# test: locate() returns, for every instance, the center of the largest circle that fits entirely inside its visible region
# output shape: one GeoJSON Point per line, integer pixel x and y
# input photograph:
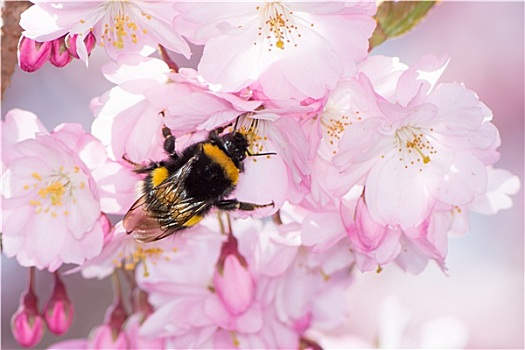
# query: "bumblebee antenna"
{"type": "Point", "coordinates": [260, 154]}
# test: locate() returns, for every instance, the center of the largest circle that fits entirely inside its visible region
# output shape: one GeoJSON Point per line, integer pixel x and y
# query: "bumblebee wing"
{"type": "Point", "coordinates": [181, 211]}
{"type": "Point", "coordinates": [144, 227]}
{"type": "Point", "coordinates": [168, 210]}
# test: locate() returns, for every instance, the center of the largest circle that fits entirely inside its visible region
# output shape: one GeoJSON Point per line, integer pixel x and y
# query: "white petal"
{"type": "Point", "coordinates": [396, 195]}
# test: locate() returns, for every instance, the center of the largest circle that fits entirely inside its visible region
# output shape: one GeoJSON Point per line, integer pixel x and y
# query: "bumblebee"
{"type": "Point", "coordinates": [180, 190]}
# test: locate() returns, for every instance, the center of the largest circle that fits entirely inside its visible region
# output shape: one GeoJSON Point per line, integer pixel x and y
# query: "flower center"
{"type": "Point", "coordinates": [334, 124]}
{"type": "Point", "coordinates": [255, 133]}
{"type": "Point", "coordinates": [138, 254]}
{"type": "Point", "coordinates": [121, 24]}
{"type": "Point", "coordinates": [414, 145]}
{"type": "Point", "coordinates": [53, 191]}
{"type": "Point", "coordinates": [277, 26]}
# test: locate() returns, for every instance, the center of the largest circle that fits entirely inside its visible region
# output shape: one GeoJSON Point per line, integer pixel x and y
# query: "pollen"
{"type": "Point", "coordinates": [277, 26]}
{"type": "Point", "coordinates": [235, 340]}
{"type": "Point", "coordinates": [56, 189]}
{"type": "Point", "coordinates": [255, 133]}
{"type": "Point", "coordinates": [334, 124]}
{"type": "Point", "coordinates": [139, 255]}
{"type": "Point", "coordinates": [53, 192]}
{"type": "Point", "coordinates": [122, 28]}
{"type": "Point", "coordinates": [414, 146]}
{"type": "Point", "coordinates": [326, 276]}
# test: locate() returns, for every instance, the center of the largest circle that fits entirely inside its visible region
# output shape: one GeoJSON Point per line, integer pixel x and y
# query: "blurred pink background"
{"type": "Point", "coordinates": [485, 287]}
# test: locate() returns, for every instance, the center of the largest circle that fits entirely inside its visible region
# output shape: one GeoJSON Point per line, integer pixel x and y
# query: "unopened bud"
{"type": "Point", "coordinates": [26, 323]}
{"type": "Point", "coordinates": [59, 56]}
{"type": "Point", "coordinates": [232, 279]}
{"type": "Point", "coordinates": [59, 311]}
{"type": "Point", "coordinates": [71, 44]}
{"type": "Point", "coordinates": [32, 55]}
{"type": "Point", "coordinates": [234, 286]}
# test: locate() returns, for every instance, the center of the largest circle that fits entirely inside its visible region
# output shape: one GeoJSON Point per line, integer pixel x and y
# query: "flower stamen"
{"type": "Point", "coordinates": [121, 25]}
{"type": "Point", "coordinates": [56, 189]}
{"type": "Point", "coordinates": [278, 25]}
{"type": "Point", "coordinates": [410, 138]}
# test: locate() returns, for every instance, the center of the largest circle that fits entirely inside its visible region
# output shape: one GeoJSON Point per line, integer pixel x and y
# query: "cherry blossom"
{"type": "Point", "coordinates": [367, 162]}
{"type": "Point", "coordinates": [65, 191]}
{"type": "Point", "coordinates": [292, 49]}
{"type": "Point", "coordinates": [263, 265]}
{"type": "Point", "coordinates": [120, 251]}
{"type": "Point", "coordinates": [429, 146]}
{"type": "Point", "coordinates": [119, 26]}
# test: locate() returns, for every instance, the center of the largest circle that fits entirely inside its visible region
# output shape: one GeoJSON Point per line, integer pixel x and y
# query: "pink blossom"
{"type": "Point", "coordinates": [59, 191]}
{"type": "Point", "coordinates": [259, 311]}
{"type": "Point", "coordinates": [120, 27]}
{"type": "Point", "coordinates": [429, 146]}
{"type": "Point", "coordinates": [120, 251]}
{"type": "Point", "coordinates": [269, 43]}
{"type": "Point", "coordinates": [376, 245]}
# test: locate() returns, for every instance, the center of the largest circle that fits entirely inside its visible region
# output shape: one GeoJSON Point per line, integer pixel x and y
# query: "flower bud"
{"type": "Point", "coordinates": [71, 44]}
{"type": "Point", "coordinates": [32, 55]}
{"type": "Point", "coordinates": [59, 311]}
{"type": "Point", "coordinates": [26, 323]}
{"type": "Point", "coordinates": [59, 56]}
{"type": "Point", "coordinates": [234, 286]}
{"type": "Point", "coordinates": [232, 280]}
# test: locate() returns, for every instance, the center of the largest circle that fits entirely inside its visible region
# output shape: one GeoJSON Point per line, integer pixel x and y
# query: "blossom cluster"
{"type": "Point", "coordinates": [372, 162]}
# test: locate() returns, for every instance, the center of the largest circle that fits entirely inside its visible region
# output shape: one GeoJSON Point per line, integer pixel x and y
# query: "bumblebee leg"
{"type": "Point", "coordinates": [234, 204]}
{"type": "Point", "coordinates": [169, 142]}
{"type": "Point", "coordinates": [136, 165]}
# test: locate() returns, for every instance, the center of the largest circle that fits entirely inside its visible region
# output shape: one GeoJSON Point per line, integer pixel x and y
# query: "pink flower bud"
{"type": "Point", "coordinates": [59, 56]}
{"type": "Point", "coordinates": [71, 44]}
{"type": "Point", "coordinates": [32, 55]}
{"type": "Point", "coordinates": [59, 311]}
{"type": "Point", "coordinates": [234, 285]}
{"type": "Point", "coordinates": [26, 324]}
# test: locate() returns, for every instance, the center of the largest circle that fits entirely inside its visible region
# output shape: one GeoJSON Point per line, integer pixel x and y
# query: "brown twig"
{"type": "Point", "coordinates": [11, 31]}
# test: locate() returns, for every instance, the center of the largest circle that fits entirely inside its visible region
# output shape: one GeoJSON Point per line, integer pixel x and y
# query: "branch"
{"type": "Point", "coordinates": [11, 32]}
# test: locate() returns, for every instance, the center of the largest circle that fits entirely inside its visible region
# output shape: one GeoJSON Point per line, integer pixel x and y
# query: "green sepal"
{"type": "Point", "coordinates": [397, 18]}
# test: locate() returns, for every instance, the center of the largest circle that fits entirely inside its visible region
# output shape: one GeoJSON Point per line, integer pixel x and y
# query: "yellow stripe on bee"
{"type": "Point", "coordinates": [219, 157]}
{"type": "Point", "coordinates": [193, 220]}
{"type": "Point", "coordinates": [158, 175]}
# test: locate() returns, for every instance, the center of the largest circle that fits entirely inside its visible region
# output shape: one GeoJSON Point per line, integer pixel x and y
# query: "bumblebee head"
{"type": "Point", "coordinates": [236, 145]}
